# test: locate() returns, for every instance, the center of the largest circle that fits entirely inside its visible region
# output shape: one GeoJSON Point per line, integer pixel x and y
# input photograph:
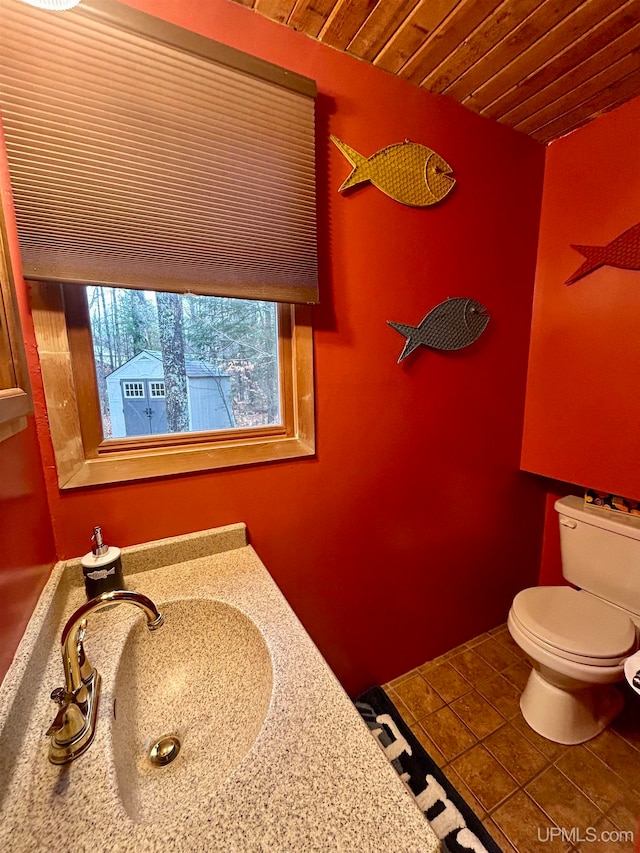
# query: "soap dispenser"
{"type": "Point", "coordinates": [101, 567]}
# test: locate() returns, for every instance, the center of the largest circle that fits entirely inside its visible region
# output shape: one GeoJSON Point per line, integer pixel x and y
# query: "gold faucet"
{"type": "Point", "coordinates": [72, 730]}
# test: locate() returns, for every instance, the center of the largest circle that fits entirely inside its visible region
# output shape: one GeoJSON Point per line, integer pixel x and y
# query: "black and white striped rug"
{"type": "Point", "coordinates": [452, 820]}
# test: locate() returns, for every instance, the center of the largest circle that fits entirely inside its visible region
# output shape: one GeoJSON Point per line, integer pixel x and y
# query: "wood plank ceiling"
{"type": "Point", "coordinates": [543, 67]}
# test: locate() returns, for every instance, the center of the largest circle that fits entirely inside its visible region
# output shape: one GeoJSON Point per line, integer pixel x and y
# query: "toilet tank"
{"type": "Point", "coordinates": [601, 552]}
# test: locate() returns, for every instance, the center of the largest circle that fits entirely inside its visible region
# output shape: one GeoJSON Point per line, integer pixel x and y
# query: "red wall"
{"type": "Point", "coordinates": [27, 552]}
{"type": "Point", "coordinates": [413, 527]}
{"type": "Point", "coordinates": [26, 539]}
{"type": "Point", "coordinates": [583, 405]}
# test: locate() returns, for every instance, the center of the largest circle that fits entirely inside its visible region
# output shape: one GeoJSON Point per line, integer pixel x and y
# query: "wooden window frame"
{"type": "Point", "coordinates": [85, 458]}
{"type": "Point", "coordinates": [15, 389]}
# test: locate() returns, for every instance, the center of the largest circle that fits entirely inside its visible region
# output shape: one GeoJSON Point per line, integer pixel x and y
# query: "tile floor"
{"type": "Point", "coordinates": [464, 708]}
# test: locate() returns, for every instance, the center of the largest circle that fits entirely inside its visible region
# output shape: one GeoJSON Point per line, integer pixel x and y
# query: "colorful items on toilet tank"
{"type": "Point", "coordinates": [616, 502]}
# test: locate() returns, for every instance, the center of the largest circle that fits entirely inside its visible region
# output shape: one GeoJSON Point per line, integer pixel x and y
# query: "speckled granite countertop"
{"type": "Point", "coordinates": [313, 780]}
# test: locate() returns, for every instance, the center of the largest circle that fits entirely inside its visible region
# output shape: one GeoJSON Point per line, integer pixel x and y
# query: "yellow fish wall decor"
{"type": "Point", "coordinates": [407, 172]}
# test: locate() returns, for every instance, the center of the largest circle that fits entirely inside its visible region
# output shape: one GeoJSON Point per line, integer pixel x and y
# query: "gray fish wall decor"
{"type": "Point", "coordinates": [451, 325]}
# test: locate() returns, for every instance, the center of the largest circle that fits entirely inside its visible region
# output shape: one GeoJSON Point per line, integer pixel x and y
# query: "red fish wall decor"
{"type": "Point", "coordinates": [622, 252]}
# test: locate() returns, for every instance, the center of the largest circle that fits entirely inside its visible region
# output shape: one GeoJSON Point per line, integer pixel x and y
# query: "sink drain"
{"type": "Point", "coordinates": [164, 750]}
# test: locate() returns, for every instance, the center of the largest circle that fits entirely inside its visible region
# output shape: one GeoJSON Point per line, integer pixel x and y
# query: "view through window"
{"type": "Point", "coordinates": [171, 363]}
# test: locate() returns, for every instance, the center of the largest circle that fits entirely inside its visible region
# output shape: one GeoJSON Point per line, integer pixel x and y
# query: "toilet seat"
{"type": "Point", "coordinates": [574, 625]}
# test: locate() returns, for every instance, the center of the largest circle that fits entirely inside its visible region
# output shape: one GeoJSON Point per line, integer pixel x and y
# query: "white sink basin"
{"type": "Point", "coordinates": [205, 678]}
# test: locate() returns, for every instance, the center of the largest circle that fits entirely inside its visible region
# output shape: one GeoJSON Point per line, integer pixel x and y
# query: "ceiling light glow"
{"type": "Point", "coordinates": [53, 5]}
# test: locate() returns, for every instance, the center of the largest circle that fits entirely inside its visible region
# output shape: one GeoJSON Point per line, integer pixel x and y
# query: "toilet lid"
{"type": "Point", "coordinates": [575, 622]}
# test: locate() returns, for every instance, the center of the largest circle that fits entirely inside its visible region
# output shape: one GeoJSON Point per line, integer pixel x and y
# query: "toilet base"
{"type": "Point", "coordinates": [569, 716]}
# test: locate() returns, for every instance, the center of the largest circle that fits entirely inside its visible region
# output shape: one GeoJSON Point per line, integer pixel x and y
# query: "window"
{"type": "Point", "coordinates": [255, 424]}
{"type": "Point", "coordinates": [157, 389]}
{"type": "Point", "coordinates": [217, 356]}
{"type": "Point", "coordinates": [133, 389]}
{"type": "Point", "coordinates": [149, 164]}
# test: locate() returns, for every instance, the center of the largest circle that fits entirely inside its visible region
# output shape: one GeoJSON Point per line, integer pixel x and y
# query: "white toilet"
{"type": "Point", "coordinates": [578, 639]}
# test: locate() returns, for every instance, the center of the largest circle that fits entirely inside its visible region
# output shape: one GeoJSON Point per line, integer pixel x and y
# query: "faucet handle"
{"type": "Point", "coordinates": [61, 696]}
{"type": "Point", "coordinates": [63, 699]}
{"type": "Point", "coordinates": [59, 721]}
{"type": "Point", "coordinates": [70, 721]}
{"type": "Point", "coordinates": [86, 670]}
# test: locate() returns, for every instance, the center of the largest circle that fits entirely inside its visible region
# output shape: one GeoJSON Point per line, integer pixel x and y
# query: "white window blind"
{"type": "Point", "coordinates": [143, 155]}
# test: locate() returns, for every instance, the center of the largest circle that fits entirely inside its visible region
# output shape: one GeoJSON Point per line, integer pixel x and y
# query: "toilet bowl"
{"type": "Point", "coordinates": [578, 639]}
{"type": "Point", "coordinates": [577, 645]}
